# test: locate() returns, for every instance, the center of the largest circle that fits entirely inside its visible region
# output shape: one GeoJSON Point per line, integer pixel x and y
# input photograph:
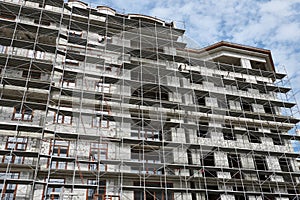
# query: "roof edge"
{"type": "Point", "coordinates": [238, 46]}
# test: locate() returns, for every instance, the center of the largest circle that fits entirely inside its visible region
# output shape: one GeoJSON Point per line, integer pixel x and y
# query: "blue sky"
{"type": "Point", "coordinates": [270, 24]}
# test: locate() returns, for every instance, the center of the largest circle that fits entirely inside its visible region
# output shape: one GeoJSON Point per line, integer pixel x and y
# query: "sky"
{"type": "Point", "coordinates": [269, 24]}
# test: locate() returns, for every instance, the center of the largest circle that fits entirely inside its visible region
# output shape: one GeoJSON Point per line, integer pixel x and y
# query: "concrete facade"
{"type": "Point", "coordinates": [97, 104]}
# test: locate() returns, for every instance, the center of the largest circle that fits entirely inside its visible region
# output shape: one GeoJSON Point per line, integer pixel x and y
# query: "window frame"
{"type": "Point", "coordinates": [95, 192]}
{"type": "Point", "coordinates": [68, 82]}
{"type": "Point", "coordinates": [259, 161]}
{"type": "Point", "coordinates": [64, 145]}
{"type": "Point", "coordinates": [13, 158]}
{"type": "Point", "coordinates": [59, 118]}
{"type": "Point", "coordinates": [5, 186]}
{"type": "Point", "coordinates": [102, 87]}
{"type": "Point", "coordinates": [22, 114]}
{"type": "Point", "coordinates": [98, 148]}
{"type": "Point", "coordinates": [100, 122]}
{"type": "Point", "coordinates": [150, 135]}
{"type": "Point", "coordinates": [47, 189]}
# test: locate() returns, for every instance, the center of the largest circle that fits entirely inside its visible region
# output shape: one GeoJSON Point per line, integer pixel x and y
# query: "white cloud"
{"type": "Point", "coordinates": [287, 33]}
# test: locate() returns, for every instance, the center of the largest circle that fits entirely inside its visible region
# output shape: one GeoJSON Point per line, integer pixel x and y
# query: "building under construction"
{"type": "Point", "coordinates": [97, 104]}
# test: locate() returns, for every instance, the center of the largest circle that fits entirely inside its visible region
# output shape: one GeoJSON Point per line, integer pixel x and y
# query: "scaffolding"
{"type": "Point", "coordinates": [96, 104]}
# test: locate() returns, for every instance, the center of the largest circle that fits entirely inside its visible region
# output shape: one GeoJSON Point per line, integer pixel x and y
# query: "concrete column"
{"type": "Point", "coordinates": [258, 108]}
{"type": "Point", "coordinates": [211, 102]}
{"type": "Point", "coordinates": [177, 97]}
{"type": "Point", "coordinates": [253, 92]}
{"type": "Point", "coordinates": [182, 196]}
{"type": "Point", "coordinates": [124, 152]}
{"type": "Point", "coordinates": [181, 134]}
{"type": "Point", "coordinates": [245, 63]}
{"type": "Point", "coordinates": [196, 157]}
{"type": "Point", "coordinates": [235, 105]}
{"type": "Point", "coordinates": [186, 82]}
{"type": "Point", "coordinates": [295, 165]}
{"type": "Point", "coordinates": [188, 99]}
{"type": "Point", "coordinates": [180, 155]}
{"type": "Point", "coordinates": [227, 197]}
{"type": "Point", "coordinates": [247, 162]}
{"type": "Point", "coordinates": [127, 194]}
{"type": "Point", "coordinates": [3, 142]}
{"type": "Point", "coordinates": [277, 178]}
{"type": "Point", "coordinates": [178, 135]}
{"type": "Point", "coordinates": [191, 136]}
{"type": "Point", "coordinates": [201, 196]}
{"type": "Point", "coordinates": [221, 159]}
{"type": "Point", "coordinates": [224, 175]}
{"type": "Point", "coordinates": [255, 198]}
{"type": "Point", "coordinates": [208, 85]}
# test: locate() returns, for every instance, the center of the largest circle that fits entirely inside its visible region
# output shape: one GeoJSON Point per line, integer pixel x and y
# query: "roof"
{"type": "Point", "coordinates": [242, 47]}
